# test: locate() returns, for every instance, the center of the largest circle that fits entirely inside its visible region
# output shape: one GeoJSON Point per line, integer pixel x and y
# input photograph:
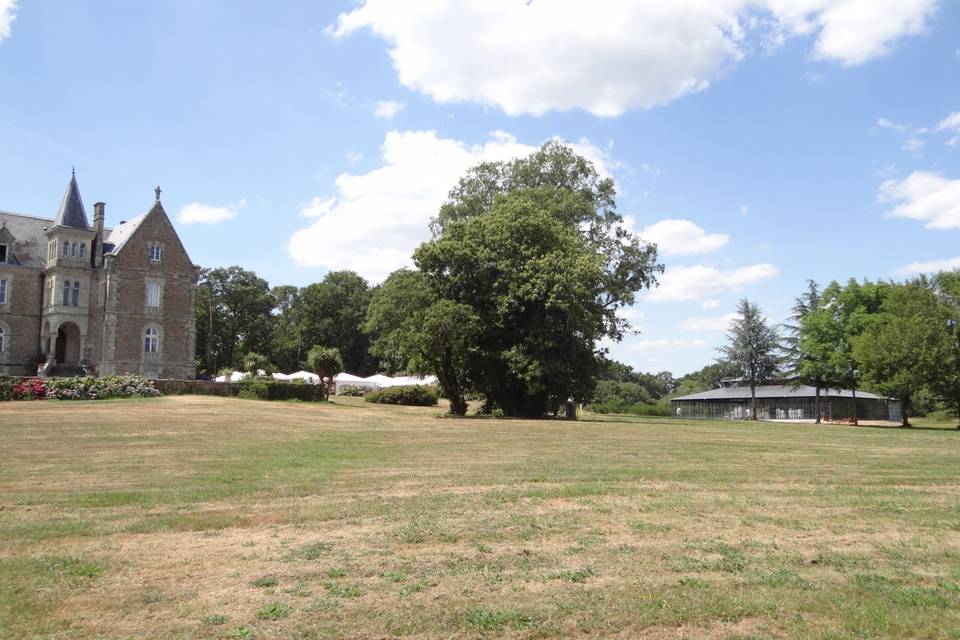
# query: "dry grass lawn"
{"type": "Point", "coordinates": [197, 517]}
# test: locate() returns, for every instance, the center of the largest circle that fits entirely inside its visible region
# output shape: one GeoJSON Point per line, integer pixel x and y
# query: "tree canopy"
{"type": "Point", "coordinates": [535, 249]}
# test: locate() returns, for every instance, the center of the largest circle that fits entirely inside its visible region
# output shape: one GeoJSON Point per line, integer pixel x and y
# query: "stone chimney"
{"type": "Point", "coordinates": [96, 249]}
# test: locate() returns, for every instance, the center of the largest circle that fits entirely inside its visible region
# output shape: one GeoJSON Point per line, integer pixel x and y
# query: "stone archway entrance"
{"type": "Point", "coordinates": [68, 345]}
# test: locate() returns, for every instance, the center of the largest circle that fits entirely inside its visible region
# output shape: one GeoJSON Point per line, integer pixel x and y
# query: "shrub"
{"type": "Point", "coordinates": [417, 395]}
{"type": "Point", "coordinates": [294, 391]}
{"type": "Point", "coordinates": [92, 388]}
{"type": "Point", "coordinates": [353, 390]}
{"type": "Point", "coordinates": [6, 389]}
{"type": "Point", "coordinates": [253, 389]}
{"type": "Point", "coordinates": [30, 389]}
{"type": "Point", "coordinates": [260, 389]}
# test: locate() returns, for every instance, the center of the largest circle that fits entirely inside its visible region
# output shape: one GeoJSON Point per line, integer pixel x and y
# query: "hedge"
{"type": "Point", "coordinates": [80, 388]}
{"type": "Point", "coordinates": [249, 389]}
{"type": "Point", "coordinates": [417, 395]}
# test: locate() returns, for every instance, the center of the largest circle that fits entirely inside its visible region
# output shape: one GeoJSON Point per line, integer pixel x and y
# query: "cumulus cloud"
{"type": "Point", "coordinates": [714, 323]}
{"type": "Point", "coordinates": [700, 282]}
{"type": "Point", "coordinates": [683, 238]}
{"type": "Point", "coordinates": [317, 207]}
{"type": "Point", "coordinates": [610, 56]}
{"type": "Point", "coordinates": [376, 219]}
{"type": "Point", "coordinates": [353, 157]}
{"type": "Point", "coordinates": [852, 32]}
{"type": "Point", "coordinates": [709, 304]}
{"type": "Point", "coordinates": [8, 9]}
{"type": "Point", "coordinates": [386, 109]}
{"type": "Point", "coordinates": [924, 196]}
{"type": "Point", "coordinates": [197, 213]}
{"type": "Point", "coordinates": [932, 266]}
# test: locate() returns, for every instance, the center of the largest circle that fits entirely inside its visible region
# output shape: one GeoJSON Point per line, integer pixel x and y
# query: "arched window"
{"type": "Point", "coordinates": [66, 249]}
{"type": "Point", "coordinates": [3, 339]}
{"type": "Point", "coordinates": [76, 293]}
{"type": "Point", "coordinates": [66, 292]}
{"type": "Point", "coordinates": [83, 249]}
{"type": "Point", "coordinates": [151, 340]}
{"type": "Point", "coordinates": [73, 250]}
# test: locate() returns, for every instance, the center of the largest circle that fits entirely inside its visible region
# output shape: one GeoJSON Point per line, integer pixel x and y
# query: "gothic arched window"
{"type": "Point", "coordinates": [66, 292]}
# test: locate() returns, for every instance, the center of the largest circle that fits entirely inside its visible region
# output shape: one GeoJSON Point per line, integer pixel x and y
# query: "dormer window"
{"type": "Point", "coordinates": [3, 254]}
{"type": "Point", "coordinates": [154, 252]}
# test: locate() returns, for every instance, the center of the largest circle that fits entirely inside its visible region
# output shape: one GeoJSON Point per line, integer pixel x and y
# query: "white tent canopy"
{"type": "Point", "coordinates": [306, 376]}
{"type": "Point", "coordinates": [380, 381]}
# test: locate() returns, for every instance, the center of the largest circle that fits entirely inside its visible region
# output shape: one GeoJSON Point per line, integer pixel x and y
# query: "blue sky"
{"type": "Point", "coordinates": [761, 142]}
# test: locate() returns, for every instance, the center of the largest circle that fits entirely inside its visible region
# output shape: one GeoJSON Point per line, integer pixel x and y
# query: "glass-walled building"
{"type": "Point", "coordinates": [785, 402]}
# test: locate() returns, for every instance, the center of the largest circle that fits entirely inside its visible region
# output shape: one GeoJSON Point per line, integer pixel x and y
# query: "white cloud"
{"type": "Point", "coordinates": [197, 213]}
{"type": "Point", "coordinates": [378, 218]}
{"type": "Point", "coordinates": [665, 344]}
{"type": "Point", "coordinates": [8, 9]}
{"type": "Point", "coordinates": [924, 196]}
{"type": "Point", "coordinates": [317, 207]}
{"type": "Point", "coordinates": [886, 123]}
{"type": "Point", "coordinates": [699, 282]}
{"type": "Point", "coordinates": [354, 157]}
{"type": "Point", "coordinates": [713, 323]}
{"type": "Point", "coordinates": [744, 210]}
{"type": "Point", "coordinates": [683, 238]}
{"type": "Point", "coordinates": [913, 145]}
{"type": "Point", "coordinates": [613, 55]}
{"type": "Point", "coordinates": [952, 124]}
{"type": "Point", "coordinates": [932, 266]}
{"type": "Point", "coordinates": [709, 304]}
{"type": "Point", "coordinates": [386, 109]}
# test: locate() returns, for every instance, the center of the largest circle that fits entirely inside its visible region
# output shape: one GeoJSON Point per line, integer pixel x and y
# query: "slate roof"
{"type": "Point", "coordinates": [72, 213]}
{"type": "Point", "coordinates": [119, 235]}
{"type": "Point", "coordinates": [30, 238]}
{"type": "Point", "coordinates": [777, 391]}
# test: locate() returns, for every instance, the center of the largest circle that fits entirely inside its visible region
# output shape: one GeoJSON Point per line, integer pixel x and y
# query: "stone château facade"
{"type": "Point", "coordinates": [76, 297]}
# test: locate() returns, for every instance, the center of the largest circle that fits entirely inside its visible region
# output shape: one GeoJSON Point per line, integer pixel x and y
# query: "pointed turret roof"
{"type": "Point", "coordinates": [71, 212]}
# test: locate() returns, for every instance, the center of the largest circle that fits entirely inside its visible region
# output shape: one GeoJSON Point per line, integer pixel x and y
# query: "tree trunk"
{"type": "Point", "coordinates": [855, 423]}
{"type": "Point", "coordinates": [904, 405]}
{"type": "Point", "coordinates": [816, 402]}
{"type": "Point", "coordinates": [753, 401]}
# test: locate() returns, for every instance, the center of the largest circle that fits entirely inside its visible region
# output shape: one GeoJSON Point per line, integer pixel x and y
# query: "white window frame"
{"type": "Point", "coordinates": [155, 252]}
{"type": "Point", "coordinates": [151, 340]}
{"type": "Point", "coordinates": [153, 301]}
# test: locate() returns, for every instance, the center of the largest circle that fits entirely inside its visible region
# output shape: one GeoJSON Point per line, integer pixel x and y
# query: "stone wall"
{"type": "Point", "coordinates": [20, 318]}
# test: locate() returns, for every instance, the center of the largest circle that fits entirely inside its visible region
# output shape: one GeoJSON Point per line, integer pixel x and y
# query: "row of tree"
{"type": "Point", "coordinates": [901, 340]}
{"type": "Point", "coordinates": [523, 276]}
